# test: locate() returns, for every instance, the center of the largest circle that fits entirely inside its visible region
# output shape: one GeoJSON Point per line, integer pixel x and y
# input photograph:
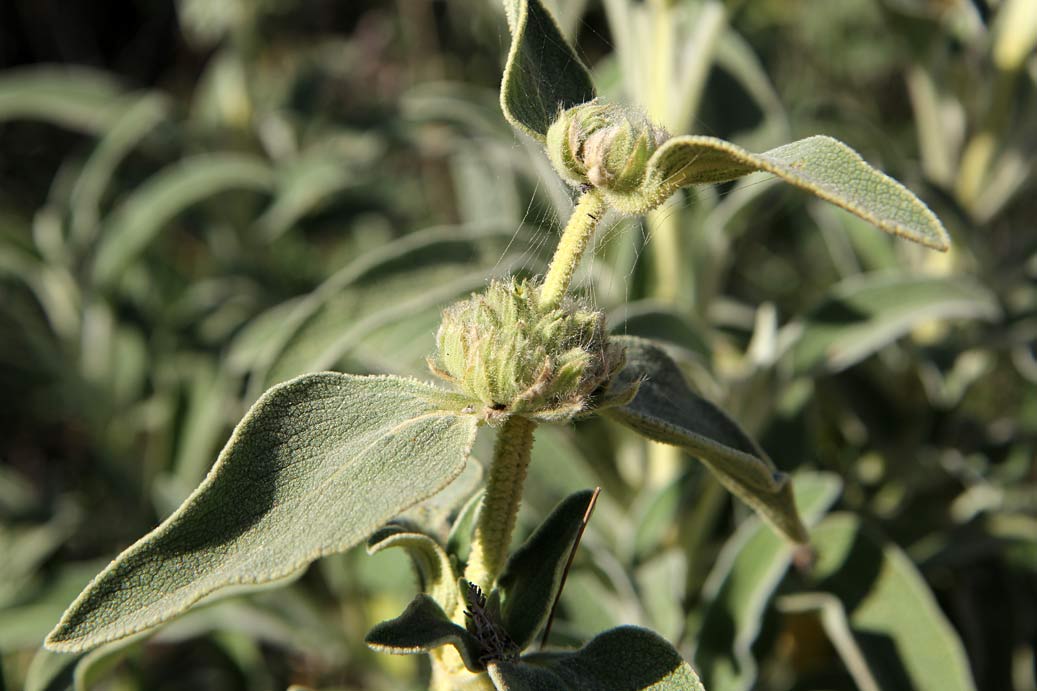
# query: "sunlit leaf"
{"type": "Point", "coordinates": [316, 465]}
{"type": "Point", "coordinates": [668, 411]}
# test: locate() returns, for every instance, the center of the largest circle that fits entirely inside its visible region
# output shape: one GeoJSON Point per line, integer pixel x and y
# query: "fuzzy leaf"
{"type": "Point", "coordinates": [422, 627]}
{"type": "Point", "coordinates": [436, 573]}
{"type": "Point", "coordinates": [314, 467]}
{"type": "Point", "coordinates": [543, 74]}
{"type": "Point", "coordinates": [668, 411]}
{"type": "Point", "coordinates": [531, 579]}
{"type": "Point", "coordinates": [823, 166]}
{"type": "Point", "coordinates": [622, 659]}
{"type": "Point", "coordinates": [864, 313]}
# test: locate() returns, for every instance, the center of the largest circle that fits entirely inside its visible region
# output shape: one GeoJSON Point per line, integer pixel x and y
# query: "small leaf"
{"type": "Point", "coordinates": [623, 659]}
{"type": "Point", "coordinates": [315, 466]}
{"type": "Point", "coordinates": [530, 581]}
{"type": "Point", "coordinates": [865, 313]}
{"type": "Point", "coordinates": [740, 587]}
{"type": "Point", "coordinates": [823, 166]}
{"type": "Point", "coordinates": [543, 75]}
{"type": "Point", "coordinates": [893, 617]}
{"type": "Point", "coordinates": [435, 571]}
{"type": "Point", "coordinates": [422, 627]}
{"type": "Point", "coordinates": [668, 411]}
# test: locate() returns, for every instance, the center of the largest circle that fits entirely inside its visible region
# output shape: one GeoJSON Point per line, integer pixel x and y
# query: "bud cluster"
{"type": "Point", "coordinates": [503, 349]}
{"type": "Point", "coordinates": [603, 144]}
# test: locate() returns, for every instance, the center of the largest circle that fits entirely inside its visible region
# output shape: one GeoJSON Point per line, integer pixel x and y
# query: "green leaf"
{"type": "Point", "coordinates": [894, 620]}
{"type": "Point", "coordinates": [739, 589]}
{"type": "Point", "coordinates": [138, 119]}
{"type": "Point", "coordinates": [623, 659]}
{"type": "Point", "coordinates": [823, 166]}
{"type": "Point", "coordinates": [315, 466]}
{"type": "Point", "coordinates": [543, 74]}
{"type": "Point", "coordinates": [140, 217]}
{"type": "Point", "coordinates": [865, 313]}
{"type": "Point", "coordinates": [422, 627]}
{"type": "Point", "coordinates": [77, 98]}
{"type": "Point", "coordinates": [530, 581]}
{"type": "Point", "coordinates": [668, 411]}
{"type": "Point", "coordinates": [435, 571]}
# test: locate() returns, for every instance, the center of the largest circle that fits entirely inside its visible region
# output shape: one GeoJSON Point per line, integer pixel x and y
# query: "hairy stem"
{"type": "Point", "coordinates": [575, 237]}
{"type": "Point", "coordinates": [501, 503]}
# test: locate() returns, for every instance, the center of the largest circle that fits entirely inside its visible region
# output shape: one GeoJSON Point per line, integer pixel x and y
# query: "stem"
{"type": "Point", "coordinates": [575, 237]}
{"type": "Point", "coordinates": [500, 504]}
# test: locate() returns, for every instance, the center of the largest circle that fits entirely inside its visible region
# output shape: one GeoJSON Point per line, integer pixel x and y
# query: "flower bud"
{"type": "Point", "coordinates": [502, 349]}
{"type": "Point", "coordinates": [604, 145]}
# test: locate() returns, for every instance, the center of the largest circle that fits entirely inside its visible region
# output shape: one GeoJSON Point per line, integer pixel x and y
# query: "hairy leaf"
{"type": "Point", "coordinates": [533, 574]}
{"type": "Point", "coordinates": [435, 571]}
{"type": "Point", "coordinates": [543, 74]}
{"type": "Point", "coordinates": [315, 466]}
{"type": "Point", "coordinates": [422, 627]}
{"type": "Point", "coordinates": [622, 659]}
{"type": "Point", "coordinates": [864, 313]}
{"type": "Point", "coordinates": [668, 411]}
{"type": "Point", "coordinates": [823, 166]}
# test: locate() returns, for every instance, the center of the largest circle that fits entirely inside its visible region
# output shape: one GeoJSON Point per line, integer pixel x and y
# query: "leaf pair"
{"type": "Point", "coordinates": [625, 658]}
{"type": "Point", "coordinates": [544, 77]}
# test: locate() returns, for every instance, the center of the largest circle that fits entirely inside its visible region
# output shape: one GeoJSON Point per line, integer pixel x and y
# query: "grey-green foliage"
{"type": "Point", "coordinates": [877, 602]}
{"type": "Point", "coordinates": [862, 314]}
{"type": "Point", "coordinates": [313, 468]}
{"type": "Point", "coordinates": [741, 587]}
{"type": "Point", "coordinates": [622, 659]}
{"type": "Point", "coordinates": [543, 73]}
{"type": "Point", "coordinates": [667, 410]}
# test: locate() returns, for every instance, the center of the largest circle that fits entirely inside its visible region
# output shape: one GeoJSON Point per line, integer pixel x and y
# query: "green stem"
{"type": "Point", "coordinates": [575, 237]}
{"type": "Point", "coordinates": [500, 504]}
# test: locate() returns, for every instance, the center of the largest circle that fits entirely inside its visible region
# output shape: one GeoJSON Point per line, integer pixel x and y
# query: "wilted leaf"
{"type": "Point", "coordinates": [315, 466]}
{"type": "Point", "coordinates": [668, 411]}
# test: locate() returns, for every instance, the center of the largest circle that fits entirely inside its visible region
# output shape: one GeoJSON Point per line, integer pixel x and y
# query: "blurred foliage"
{"type": "Point", "coordinates": [203, 199]}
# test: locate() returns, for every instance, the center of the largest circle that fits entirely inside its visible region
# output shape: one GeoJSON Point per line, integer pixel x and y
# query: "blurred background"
{"type": "Point", "coordinates": [201, 199]}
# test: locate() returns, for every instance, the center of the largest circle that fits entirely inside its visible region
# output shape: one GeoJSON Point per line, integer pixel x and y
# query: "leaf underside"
{"type": "Point", "coordinates": [315, 466]}
{"type": "Point", "coordinates": [821, 165]}
{"type": "Point", "coordinates": [543, 74]}
{"type": "Point", "coordinates": [668, 411]}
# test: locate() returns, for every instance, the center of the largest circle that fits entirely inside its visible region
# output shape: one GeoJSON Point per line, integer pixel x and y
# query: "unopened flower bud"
{"type": "Point", "coordinates": [502, 349]}
{"type": "Point", "coordinates": [604, 145]}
